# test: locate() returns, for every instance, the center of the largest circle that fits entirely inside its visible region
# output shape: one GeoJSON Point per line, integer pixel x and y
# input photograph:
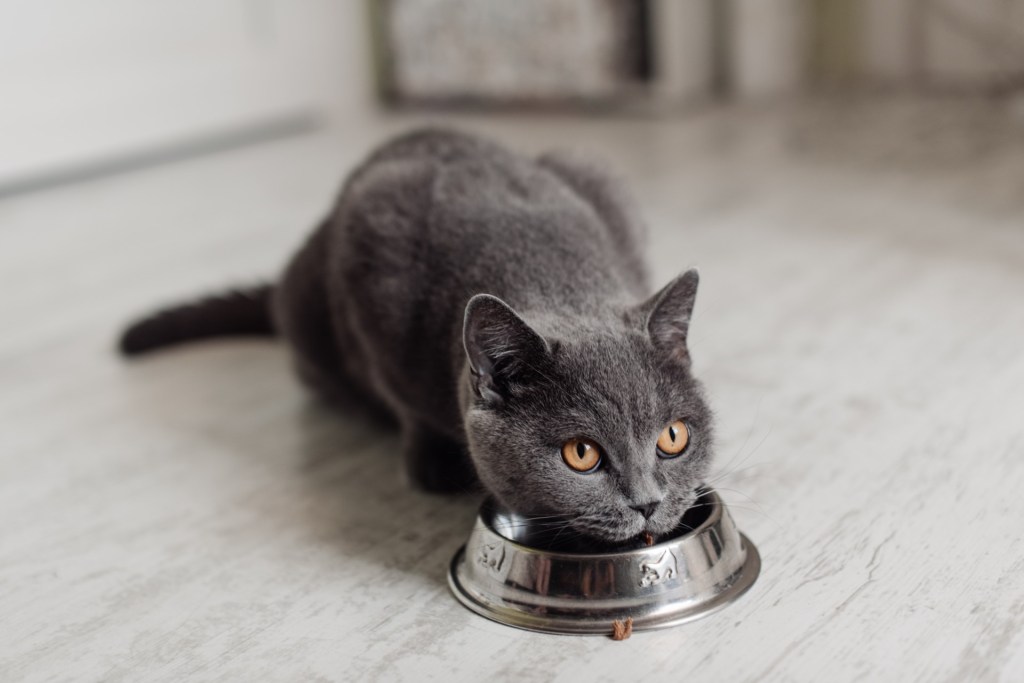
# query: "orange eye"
{"type": "Point", "coordinates": [673, 439]}
{"type": "Point", "coordinates": [581, 455]}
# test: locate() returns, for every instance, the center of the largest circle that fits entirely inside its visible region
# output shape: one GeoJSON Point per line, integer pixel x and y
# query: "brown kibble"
{"type": "Point", "coordinates": [622, 629]}
{"type": "Point", "coordinates": [647, 538]}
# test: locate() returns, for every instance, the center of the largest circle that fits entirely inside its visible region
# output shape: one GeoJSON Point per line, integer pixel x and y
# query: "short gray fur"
{"type": "Point", "coordinates": [496, 306]}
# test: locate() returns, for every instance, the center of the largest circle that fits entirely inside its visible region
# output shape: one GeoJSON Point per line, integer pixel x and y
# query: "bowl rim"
{"type": "Point", "coordinates": [714, 515]}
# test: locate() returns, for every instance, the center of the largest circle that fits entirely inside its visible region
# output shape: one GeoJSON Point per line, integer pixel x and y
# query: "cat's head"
{"type": "Point", "coordinates": [596, 422]}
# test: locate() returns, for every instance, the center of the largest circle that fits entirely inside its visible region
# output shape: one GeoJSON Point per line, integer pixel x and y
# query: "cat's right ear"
{"type": "Point", "coordinates": [501, 347]}
{"type": "Point", "coordinates": [668, 315]}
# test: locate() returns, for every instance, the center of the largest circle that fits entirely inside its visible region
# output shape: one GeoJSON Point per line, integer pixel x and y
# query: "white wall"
{"type": "Point", "coordinates": [84, 82]}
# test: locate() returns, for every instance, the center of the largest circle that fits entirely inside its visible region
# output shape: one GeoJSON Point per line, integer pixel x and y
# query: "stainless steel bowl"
{"type": "Point", "coordinates": [522, 574]}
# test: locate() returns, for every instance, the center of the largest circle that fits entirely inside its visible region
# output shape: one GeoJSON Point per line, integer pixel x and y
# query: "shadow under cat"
{"type": "Point", "coordinates": [318, 476]}
{"type": "Point", "coordinates": [361, 500]}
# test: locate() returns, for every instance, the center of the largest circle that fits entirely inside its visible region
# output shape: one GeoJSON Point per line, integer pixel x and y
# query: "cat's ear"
{"type": "Point", "coordinates": [501, 347]}
{"type": "Point", "coordinates": [667, 315]}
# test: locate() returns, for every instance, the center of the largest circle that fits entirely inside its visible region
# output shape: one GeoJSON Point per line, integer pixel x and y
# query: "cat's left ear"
{"type": "Point", "coordinates": [667, 315]}
{"type": "Point", "coordinates": [501, 347]}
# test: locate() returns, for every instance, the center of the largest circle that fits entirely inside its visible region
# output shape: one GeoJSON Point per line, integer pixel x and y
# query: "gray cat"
{"type": "Point", "coordinates": [498, 308]}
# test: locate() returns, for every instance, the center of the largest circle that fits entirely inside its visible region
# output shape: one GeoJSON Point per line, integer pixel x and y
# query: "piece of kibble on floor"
{"type": "Point", "coordinates": [622, 629]}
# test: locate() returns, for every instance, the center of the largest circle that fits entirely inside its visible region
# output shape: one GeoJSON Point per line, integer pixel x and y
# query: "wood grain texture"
{"type": "Point", "coordinates": [194, 515]}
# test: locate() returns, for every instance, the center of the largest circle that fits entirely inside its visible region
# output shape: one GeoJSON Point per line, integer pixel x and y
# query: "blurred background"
{"type": "Point", "coordinates": [90, 85]}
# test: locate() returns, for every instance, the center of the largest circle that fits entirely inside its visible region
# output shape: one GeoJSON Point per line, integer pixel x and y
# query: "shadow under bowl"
{"type": "Point", "coordinates": [521, 574]}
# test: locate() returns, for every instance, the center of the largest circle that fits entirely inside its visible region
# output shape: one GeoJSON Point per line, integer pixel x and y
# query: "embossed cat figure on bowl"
{"type": "Point", "coordinates": [498, 307]}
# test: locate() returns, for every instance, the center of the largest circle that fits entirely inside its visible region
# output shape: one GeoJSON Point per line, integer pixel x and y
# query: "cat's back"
{"type": "Point", "coordinates": [437, 146]}
{"type": "Point", "coordinates": [439, 208]}
{"type": "Point", "coordinates": [434, 217]}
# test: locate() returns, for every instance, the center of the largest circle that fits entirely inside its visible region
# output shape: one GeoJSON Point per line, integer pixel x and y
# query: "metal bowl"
{"type": "Point", "coordinates": [522, 574]}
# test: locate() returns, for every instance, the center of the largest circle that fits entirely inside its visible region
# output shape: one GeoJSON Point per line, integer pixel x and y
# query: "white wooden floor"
{"type": "Point", "coordinates": [194, 515]}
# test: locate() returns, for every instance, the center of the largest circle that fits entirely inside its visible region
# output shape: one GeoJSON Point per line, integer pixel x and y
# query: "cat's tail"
{"type": "Point", "coordinates": [240, 312]}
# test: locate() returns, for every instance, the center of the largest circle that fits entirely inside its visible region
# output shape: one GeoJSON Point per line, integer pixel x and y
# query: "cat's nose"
{"type": "Point", "coordinates": [647, 509]}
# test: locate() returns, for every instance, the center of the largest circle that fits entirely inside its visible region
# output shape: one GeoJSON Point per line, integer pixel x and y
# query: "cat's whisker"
{"type": "Point", "coordinates": [746, 439]}
{"type": "Point", "coordinates": [750, 499]}
{"type": "Point", "coordinates": [728, 472]}
{"type": "Point", "coordinates": [750, 430]}
{"type": "Point", "coordinates": [723, 475]}
{"type": "Point", "coordinates": [529, 518]}
{"type": "Point", "coordinates": [559, 533]}
{"type": "Point", "coordinates": [753, 424]}
{"type": "Point", "coordinates": [522, 525]}
{"type": "Point", "coordinates": [745, 495]}
{"type": "Point", "coordinates": [686, 526]}
{"type": "Point", "coordinates": [755, 507]}
{"type": "Point", "coordinates": [541, 521]}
